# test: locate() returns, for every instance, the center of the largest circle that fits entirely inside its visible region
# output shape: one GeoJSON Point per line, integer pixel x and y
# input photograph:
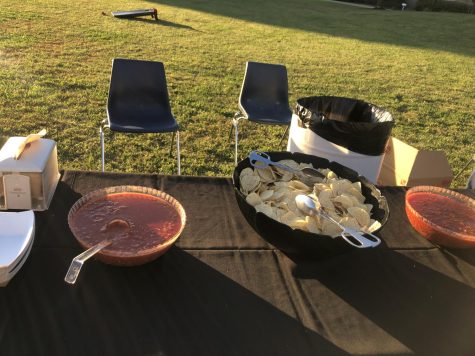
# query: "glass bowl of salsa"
{"type": "Point", "coordinates": [141, 223]}
{"type": "Point", "coordinates": [442, 216]}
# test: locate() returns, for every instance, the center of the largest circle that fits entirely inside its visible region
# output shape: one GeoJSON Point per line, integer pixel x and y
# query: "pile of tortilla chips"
{"type": "Point", "coordinates": [272, 191]}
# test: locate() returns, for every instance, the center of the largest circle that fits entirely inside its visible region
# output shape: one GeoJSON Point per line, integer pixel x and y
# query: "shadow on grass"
{"type": "Point", "coordinates": [440, 31]}
{"type": "Point", "coordinates": [160, 22]}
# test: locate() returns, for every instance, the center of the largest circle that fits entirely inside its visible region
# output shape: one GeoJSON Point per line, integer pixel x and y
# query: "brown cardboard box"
{"type": "Point", "coordinates": [404, 165]}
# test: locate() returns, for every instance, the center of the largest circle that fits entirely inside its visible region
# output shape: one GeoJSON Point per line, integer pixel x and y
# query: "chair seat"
{"type": "Point", "coordinates": [276, 114]}
{"type": "Point", "coordinates": [141, 120]}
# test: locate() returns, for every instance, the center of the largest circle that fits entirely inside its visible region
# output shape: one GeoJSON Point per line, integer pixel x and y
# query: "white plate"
{"type": "Point", "coordinates": [17, 231]}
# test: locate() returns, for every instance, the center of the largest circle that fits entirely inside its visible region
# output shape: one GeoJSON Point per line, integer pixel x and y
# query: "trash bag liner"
{"type": "Point", "coordinates": [354, 124]}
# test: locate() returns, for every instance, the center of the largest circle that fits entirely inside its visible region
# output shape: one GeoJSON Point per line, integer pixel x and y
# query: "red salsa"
{"type": "Point", "coordinates": [135, 221]}
{"type": "Point", "coordinates": [444, 211]}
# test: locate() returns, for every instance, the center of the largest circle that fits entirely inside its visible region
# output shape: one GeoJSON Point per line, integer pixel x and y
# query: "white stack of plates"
{"type": "Point", "coordinates": [17, 231]}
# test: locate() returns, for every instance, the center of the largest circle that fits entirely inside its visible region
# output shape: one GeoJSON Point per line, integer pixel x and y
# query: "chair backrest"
{"type": "Point", "coordinates": [266, 84]}
{"type": "Point", "coordinates": [136, 83]}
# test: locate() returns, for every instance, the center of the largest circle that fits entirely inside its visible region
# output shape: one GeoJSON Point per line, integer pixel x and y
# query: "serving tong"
{"type": "Point", "coordinates": [308, 207]}
{"type": "Point", "coordinates": [307, 175]}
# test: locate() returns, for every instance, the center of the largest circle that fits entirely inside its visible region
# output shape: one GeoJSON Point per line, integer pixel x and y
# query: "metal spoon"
{"type": "Point", "coordinates": [262, 160]}
{"type": "Point", "coordinates": [117, 227]}
{"type": "Point", "coordinates": [308, 207]}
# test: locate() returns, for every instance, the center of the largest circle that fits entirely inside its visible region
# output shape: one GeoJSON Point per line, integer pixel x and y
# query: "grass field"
{"type": "Point", "coordinates": [55, 61]}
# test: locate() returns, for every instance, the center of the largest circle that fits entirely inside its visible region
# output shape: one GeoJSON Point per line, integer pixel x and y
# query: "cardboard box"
{"type": "Point", "coordinates": [404, 165]}
{"type": "Point", "coordinates": [30, 181]}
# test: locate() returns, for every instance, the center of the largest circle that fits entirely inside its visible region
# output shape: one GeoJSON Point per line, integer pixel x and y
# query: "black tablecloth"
{"type": "Point", "coordinates": [222, 290]}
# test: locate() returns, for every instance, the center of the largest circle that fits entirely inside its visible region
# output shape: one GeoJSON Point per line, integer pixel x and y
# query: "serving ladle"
{"type": "Point", "coordinates": [118, 228]}
{"type": "Point", "coordinates": [262, 160]}
{"type": "Point", "coordinates": [308, 207]}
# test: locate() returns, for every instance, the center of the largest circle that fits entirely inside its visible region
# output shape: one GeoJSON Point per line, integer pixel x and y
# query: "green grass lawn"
{"type": "Point", "coordinates": [55, 61]}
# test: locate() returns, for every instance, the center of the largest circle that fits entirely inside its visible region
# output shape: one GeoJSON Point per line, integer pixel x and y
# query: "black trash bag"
{"type": "Point", "coordinates": [351, 123]}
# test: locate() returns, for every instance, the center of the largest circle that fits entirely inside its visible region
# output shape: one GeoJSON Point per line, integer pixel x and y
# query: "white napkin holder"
{"type": "Point", "coordinates": [28, 183]}
{"type": "Point", "coordinates": [17, 231]}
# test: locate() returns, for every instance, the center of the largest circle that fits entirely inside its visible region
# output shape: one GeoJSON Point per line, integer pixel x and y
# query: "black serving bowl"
{"type": "Point", "coordinates": [299, 242]}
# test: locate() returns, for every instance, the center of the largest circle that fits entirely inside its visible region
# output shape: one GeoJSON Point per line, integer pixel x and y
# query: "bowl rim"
{"type": "Point", "coordinates": [444, 192]}
{"type": "Point", "coordinates": [129, 189]}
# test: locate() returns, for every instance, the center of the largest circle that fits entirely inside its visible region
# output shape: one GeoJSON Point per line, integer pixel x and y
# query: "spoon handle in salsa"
{"type": "Point", "coordinates": [78, 261]}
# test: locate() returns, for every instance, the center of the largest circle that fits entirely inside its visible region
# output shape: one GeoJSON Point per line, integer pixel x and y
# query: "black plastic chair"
{"type": "Point", "coordinates": [264, 98]}
{"type": "Point", "coordinates": [138, 101]}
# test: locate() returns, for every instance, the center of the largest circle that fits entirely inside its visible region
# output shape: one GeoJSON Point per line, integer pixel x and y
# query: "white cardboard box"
{"type": "Point", "coordinates": [28, 183]}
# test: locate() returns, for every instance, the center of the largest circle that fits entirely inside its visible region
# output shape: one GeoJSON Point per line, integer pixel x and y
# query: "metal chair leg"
{"type": "Point", "coordinates": [236, 137]}
{"type": "Point", "coordinates": [178, 152]}
{"type": "Point", "coordinates": [101, 134]}
{"type": "Point", "coordinates": [237, 116]}
{"type": "Point", "coordinates": [173, 140]}
{"type": "Point", "coordinates": [464, 167]}
{"type": "Point", "coordinates": [283, 136]}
